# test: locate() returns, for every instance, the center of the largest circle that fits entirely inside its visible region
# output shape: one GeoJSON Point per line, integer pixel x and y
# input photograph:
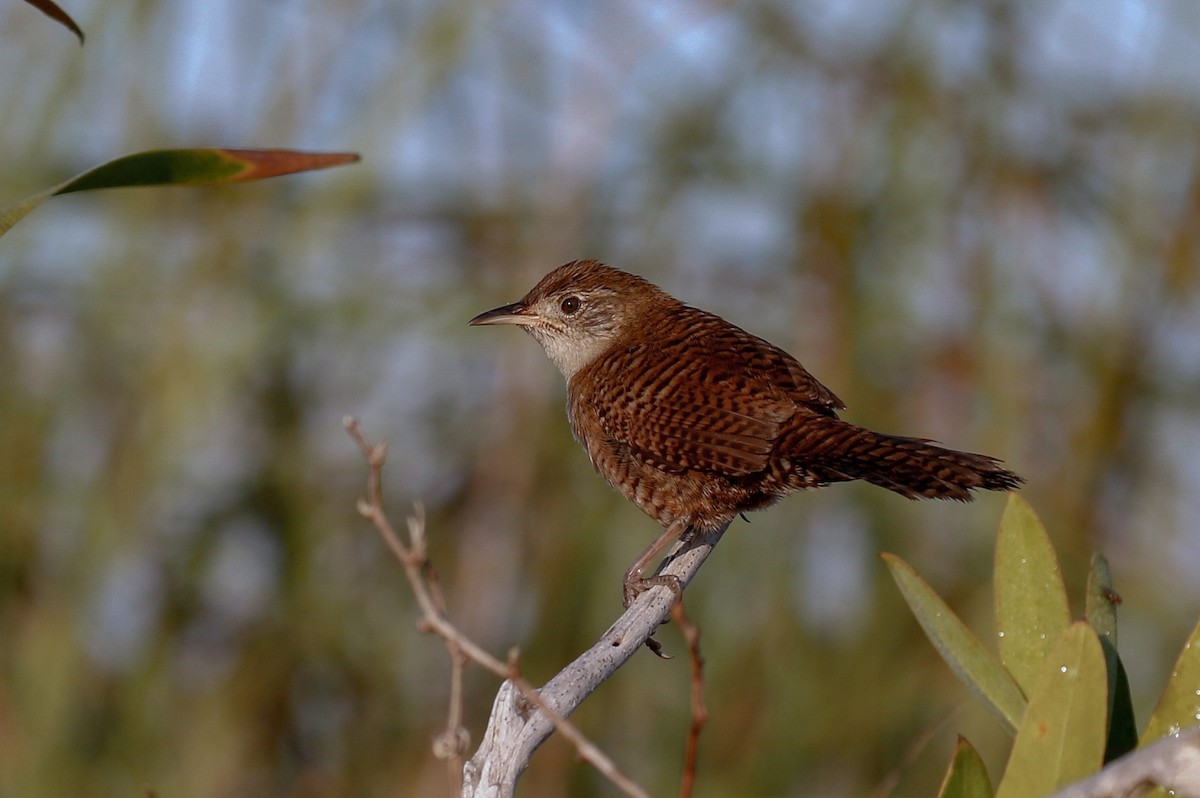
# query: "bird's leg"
{"type": "Point", "coordinates": [636, 583]}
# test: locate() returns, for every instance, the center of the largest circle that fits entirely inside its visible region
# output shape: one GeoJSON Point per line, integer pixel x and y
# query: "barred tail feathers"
{"type": "Point", "coordinates": [831, 450]}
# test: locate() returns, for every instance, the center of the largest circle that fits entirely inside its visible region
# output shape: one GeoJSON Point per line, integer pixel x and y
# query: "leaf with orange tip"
{"type": "Point", "coordinates": [189, 167]}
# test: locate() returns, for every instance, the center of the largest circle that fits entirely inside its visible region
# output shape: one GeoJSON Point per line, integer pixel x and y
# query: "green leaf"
{"type": "Point", "coordinates": [1179, 707]}
{"type": "Point", "coordinates": [194, 167]}
{"type": "Point", "coordinates": [967, 776]}
{"type": "Point", "coordinates": [15, 212]}
{"type": "Point", "coordinates": [979, 669]}
{"type": "Point", "coordinates": [1122, 728]}
{"type": "Point", "coordinates": [1031, 602]}
{"type": "Point", "coordinates": [1102, 601]}
{"type": "Point", "coordinates": [1062, 736]}
{"type": "Point", "coordinates": [1102, 615]}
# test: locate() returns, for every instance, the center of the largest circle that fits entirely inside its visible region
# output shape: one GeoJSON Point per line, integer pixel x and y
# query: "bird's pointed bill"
{"type": "Point", "coordinates": [516, 313]}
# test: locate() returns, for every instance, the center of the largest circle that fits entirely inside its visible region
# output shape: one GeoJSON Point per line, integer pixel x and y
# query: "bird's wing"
{"type": "Point", "coordinates": [768, 364]}
{"type": "Point", "coordinates": [680, 436]}
{"type": "Point", "coordinates": [713, 402]}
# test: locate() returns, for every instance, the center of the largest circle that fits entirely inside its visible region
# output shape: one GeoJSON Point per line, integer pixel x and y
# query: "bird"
{"type": "Point", "coordinates": [697, 421]}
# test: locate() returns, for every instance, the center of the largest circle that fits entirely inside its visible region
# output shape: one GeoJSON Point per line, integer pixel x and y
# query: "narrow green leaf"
{"type": "Point", "coordinates": [1102, 615]}
{"type": "Point", "coordinates": [14, 213]}
{"type": "Point", "coordinates": [1031, 602]}
{"type": "Point", "coordinates": [1062, 736]}
{"type": "Point", "coordinates": [979, 669]}
{"type": "Point", "coordinates": [194, 167]}
{"type": "Point", "coordinates": [1122, 728]}
{"type": "Point", "coordinates": [967, 776]}
{"type": "Point", "coordinates": [1179, 707]}
{"type": "Point", "coordinates": [1102, 601]}
{"type": "Point", "coordinates": [201, 167]}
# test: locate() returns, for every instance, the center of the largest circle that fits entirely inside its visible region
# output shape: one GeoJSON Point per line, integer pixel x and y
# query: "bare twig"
{"type": "Point", "coordinates": [422, 579]}
{"type": "Point", "coordinates": [691, 634]}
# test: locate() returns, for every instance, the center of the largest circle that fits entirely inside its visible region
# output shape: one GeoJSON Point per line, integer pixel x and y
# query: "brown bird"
{"type": "Point", "coordinates": [695, 420]}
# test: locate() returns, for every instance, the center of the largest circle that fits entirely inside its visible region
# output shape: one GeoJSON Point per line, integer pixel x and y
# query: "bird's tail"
{"type": "Point", "coordinates": [831, 450]}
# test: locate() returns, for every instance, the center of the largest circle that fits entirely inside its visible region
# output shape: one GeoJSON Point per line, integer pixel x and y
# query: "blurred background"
{"type": "Point", "coordinates": [974, 221]}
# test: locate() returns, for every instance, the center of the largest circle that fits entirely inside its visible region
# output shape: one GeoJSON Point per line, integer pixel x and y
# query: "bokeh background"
{"type": "Point", "coordinates": [974, 221]}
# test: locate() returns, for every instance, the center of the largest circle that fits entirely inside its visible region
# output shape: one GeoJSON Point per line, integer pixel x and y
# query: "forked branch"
{"type": "Point", "coordinates": [522, 716]}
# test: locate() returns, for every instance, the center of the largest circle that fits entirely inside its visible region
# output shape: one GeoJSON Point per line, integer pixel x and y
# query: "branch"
{"type": "Point", "coordinates": [514, 732]}
{"type": "Point", "coordinates": [691, 634]}
{"type": "Point", "coordinates": [1172, 763]}
{"type": "Point", "coordinates": [522, 716]}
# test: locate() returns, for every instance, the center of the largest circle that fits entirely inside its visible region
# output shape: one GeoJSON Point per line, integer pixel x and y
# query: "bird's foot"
{"type": "Point", "coordinates": [657, 648]}
{"type": "Point", "coordinates": [637, 585]}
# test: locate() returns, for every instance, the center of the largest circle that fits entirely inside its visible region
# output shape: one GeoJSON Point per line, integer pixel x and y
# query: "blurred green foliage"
{"type": "Point", "coordinates": [1078, 715]}
{"type": "Point", "coordinates": [974, 221]}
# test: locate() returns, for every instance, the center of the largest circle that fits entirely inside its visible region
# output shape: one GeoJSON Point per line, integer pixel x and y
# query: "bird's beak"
{"type": "Point", "coordinates": [516, 313]}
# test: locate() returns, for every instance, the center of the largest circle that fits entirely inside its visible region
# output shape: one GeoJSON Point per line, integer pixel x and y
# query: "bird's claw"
{"type": "Point", "coordinates": [636, 586]}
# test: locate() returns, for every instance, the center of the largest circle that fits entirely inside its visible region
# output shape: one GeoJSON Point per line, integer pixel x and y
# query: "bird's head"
{"type": "Point", "coordinates": [580, 310]}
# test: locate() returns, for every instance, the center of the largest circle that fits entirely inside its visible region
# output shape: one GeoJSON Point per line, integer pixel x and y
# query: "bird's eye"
{"type": "Point", "coordinates": [570, 305]}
